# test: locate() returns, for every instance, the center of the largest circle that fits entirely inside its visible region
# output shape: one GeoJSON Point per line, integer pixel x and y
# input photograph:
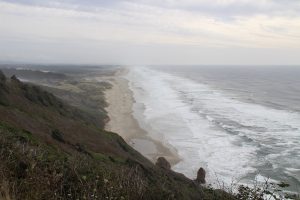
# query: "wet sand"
{"type": "Point", "coordinates": [122, 121]}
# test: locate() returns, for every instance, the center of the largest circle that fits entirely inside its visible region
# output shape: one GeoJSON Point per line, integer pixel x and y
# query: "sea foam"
{"type": "Point", "coordinates": [231, 139]}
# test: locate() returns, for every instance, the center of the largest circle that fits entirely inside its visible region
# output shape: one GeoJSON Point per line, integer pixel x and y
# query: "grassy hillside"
{"type": "Point", "coordinates": [30, 74]}
{"type": "Point", "coordinates": [51, 150]}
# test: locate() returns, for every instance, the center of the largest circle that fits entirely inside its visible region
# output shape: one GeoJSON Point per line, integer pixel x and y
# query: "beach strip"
{"type": "Point", "coordinates": [122, 121]}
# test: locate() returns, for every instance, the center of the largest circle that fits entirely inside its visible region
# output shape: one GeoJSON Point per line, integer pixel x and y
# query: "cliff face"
{"type": "Point", "coordinates": [51, 150]}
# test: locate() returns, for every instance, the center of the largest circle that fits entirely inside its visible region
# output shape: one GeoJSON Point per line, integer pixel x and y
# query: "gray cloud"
{"type": "Point", "coordinates": [151, 32]}
{"type": "Point", "coordinates": [221, 8]}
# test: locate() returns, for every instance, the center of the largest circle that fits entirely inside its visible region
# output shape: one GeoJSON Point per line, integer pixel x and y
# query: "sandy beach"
{"type": "Point", "coordinates": [122, 121]}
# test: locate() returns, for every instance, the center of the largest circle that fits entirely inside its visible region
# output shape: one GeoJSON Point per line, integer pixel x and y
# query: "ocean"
{"type": "Point", "coordinates": [240, 123]}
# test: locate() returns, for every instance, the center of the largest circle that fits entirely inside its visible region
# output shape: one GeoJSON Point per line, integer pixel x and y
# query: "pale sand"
{"type": "Point", "coordinates": [122, 121]}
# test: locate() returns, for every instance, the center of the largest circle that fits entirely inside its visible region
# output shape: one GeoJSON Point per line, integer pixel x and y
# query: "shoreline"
{"type": "Point", "coordinates": [120, 102]}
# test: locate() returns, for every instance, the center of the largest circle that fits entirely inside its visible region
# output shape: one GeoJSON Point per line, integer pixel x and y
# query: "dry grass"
{"type": "Point", "coordinates": [36, 172]}
{"type": "Point", "coordinates": [4, 191]}
{"type": "Point", "coordinates": [33, 170]}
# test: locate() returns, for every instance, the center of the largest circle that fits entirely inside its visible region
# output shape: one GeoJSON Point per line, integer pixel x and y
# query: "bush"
{"type": "Point", "coordinates": [265, 190]}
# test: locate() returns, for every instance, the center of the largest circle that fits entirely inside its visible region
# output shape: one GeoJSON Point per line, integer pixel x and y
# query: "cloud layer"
{"type": "Point", "coordinates": [121, 29]}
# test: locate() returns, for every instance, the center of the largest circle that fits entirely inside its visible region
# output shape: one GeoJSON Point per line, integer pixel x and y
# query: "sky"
{"type": "Point", "coordinates": [146, 32]}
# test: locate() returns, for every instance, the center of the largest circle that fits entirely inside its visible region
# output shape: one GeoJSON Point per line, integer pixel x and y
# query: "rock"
{"type": "Point", "coordinates": [163, 163]}
{"type": "Point", "coordinates": [15, 79]}
{"type": "Point", "coordinates": [201, 176]}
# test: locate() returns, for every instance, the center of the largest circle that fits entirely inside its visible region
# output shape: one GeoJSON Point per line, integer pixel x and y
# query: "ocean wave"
{"type": "Point", "coordinates": [209, 128]}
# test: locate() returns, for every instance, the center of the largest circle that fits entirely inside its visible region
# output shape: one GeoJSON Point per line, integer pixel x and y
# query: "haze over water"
{"type": "Point", "coordinates": [239, 123]}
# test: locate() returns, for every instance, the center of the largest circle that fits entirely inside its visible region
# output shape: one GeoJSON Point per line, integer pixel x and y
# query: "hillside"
{"type": "Point", "coordinates": [33, 74]}
{"type": "Point", "coordinates": [51, 150]}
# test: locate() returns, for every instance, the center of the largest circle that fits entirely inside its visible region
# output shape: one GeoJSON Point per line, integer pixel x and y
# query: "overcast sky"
{"type": "Point", "coordinates": [150, 31]}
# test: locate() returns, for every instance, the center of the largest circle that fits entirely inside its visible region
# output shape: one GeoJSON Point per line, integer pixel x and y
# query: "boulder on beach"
{"type": "Point", "coordinates": [201, 176]}
{"type": "Point", "coordinates": [163, 163]}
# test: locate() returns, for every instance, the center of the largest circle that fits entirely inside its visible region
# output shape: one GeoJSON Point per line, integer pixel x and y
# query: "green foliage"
{"type": "Point", "coordinates": [88, 96]}
{"type": "Point", "coordinates": [37, 95]}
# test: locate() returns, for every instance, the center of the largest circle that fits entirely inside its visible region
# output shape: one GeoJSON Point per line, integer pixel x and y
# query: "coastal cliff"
{"type": "Point", "coordinates": [51, 150]}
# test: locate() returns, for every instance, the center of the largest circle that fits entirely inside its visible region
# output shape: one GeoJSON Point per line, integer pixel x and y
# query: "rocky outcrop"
{"type": "Point", "coordinates": [15, 79]}
{"type": "Point", "coordinates": [163, 163]}
{"type": "Point", "coordinates": [200, 176]}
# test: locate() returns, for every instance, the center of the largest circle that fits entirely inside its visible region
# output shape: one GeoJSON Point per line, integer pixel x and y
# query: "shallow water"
{"type": "Point", "coordinates": [236, 123]}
